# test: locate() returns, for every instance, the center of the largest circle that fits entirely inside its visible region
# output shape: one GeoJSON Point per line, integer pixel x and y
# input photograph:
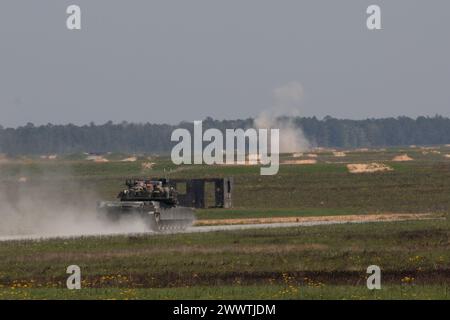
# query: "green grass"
{"type": "Point", "coordinates": [312, 291]}
{"type": "Point", "coordinates": [335, 255]}
{"type": "Point", "coordinates": [419, 186]}
{"type": "Point", "coordinates": [62, 169]}
{"type": "Point", "coordinates": [305, 262]}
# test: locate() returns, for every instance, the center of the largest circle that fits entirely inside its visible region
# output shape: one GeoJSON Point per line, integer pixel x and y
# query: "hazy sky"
{"type": "Point", "coordinates": [167, 61]}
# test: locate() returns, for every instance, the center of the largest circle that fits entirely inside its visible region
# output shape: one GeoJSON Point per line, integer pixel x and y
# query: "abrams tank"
{"type": "Point", "coordinates": [152, 200]}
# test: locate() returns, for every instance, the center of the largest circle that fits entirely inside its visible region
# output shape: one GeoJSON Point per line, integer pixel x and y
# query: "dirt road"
{"type": "Point", "coordinates": [334, 219]}
{"type": "Point", "coordinates": [245, 224]}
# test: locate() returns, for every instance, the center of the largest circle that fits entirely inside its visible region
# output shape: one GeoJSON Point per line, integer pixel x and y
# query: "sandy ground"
{"type": "Point", "coordinates": [367, 167]}
{"type": "Point", "coordinates": [262, 223]}
{"type": "Point", "coordinates": [309, 161]}
{"type": "Point", "coordinates": [401, 158]}
{"type": "Point", "coordinates": [131, 159]}
{"type": "Point", "coordinates": [346, 218]}
{"type": "Point", "coordinates": [97, 159]}
{"type": "Point", "coordinates": [147, 165]}
{"type": "Point", "coordinates": [339, 154]}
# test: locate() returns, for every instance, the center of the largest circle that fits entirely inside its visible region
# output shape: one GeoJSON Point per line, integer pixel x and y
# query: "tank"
{"type": "Point", "coordinates": [155, 201]}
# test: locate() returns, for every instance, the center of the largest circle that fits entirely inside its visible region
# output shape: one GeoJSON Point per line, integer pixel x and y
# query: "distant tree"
{"type": "Point", "coordinates": [155, 138]}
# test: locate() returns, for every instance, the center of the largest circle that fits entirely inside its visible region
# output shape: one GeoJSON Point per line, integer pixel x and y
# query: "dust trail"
{"type": "Point", "coordinates": [51, 205]}
{"type": "Point", "coordinates": [287, 103]}
{"type": "Point", "coordinates": [237, 227]}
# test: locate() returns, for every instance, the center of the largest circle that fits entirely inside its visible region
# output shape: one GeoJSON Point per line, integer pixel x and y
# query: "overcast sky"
{"type": "Point", "coordinates": [164, 61]}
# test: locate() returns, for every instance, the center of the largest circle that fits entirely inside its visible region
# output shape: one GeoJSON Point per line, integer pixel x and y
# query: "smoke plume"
{"type": "Point", "coordinates": [288, 99]}
{"type": "Point", "coordinates": [54, 206]}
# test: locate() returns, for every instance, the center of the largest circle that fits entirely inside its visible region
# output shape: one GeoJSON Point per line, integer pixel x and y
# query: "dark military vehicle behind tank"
{"type": "Point", "coordinates": [155, 201]}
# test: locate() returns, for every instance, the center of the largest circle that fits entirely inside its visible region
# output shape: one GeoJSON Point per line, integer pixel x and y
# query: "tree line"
{"type": "Point", "coordinates": [155, 138]}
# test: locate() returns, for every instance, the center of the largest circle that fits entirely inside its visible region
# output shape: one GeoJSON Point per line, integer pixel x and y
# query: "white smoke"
{"type": "Point", "coordinates": [54, 207]}
{"type": "Point", "coordinates": [287, 104]}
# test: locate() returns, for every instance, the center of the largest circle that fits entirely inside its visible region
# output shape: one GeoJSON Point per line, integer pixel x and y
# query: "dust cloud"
{"type": "Point", "coordinates": [54, 206]}
{"type": "Point", "coordinates": [287, 103]}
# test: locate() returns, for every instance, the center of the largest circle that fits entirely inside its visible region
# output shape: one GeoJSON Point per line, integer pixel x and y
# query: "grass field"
{"type": "Point", "coordinates": [238, 292]}
{"type": "Point", "coordinates": [321, 262]}
{"type": "Point", "coordinates": [414, 257]}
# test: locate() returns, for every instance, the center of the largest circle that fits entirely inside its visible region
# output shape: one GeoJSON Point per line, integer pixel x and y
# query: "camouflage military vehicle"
{"type": "Point", "coordinates": [154, 201]}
